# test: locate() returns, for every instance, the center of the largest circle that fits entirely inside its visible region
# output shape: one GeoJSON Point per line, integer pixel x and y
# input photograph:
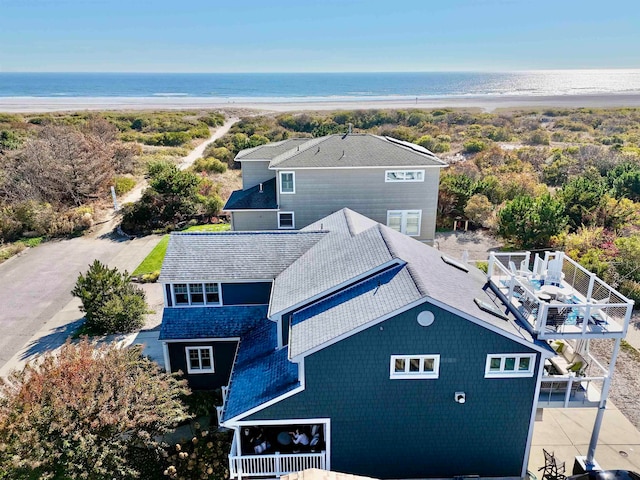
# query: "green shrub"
{"type": "Point", "coordinates": [631, 289]}
{"type": "Point", "coordinates": [111, 303]}
{"type": "Point", "coordinates": [123, 184]}
{"type": "Point", "coordinates": [539, 137]}
{"type": "Point", "coordinates": [11, 250]}
{"type": "Point", "coordinates": [483, 266]}
{"type": "Point", "coordinates": [150, 277]}
{"type": "Point", "coordinates": [209, 165]}
{"type": "Point", "coordinates": [474, 146]}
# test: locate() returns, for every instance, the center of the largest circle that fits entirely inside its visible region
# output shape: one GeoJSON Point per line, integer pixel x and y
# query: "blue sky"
{"type": "Point", "coordinates": [316, 35]}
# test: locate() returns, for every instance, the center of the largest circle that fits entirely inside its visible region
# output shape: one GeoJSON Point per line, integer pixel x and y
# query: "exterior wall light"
{"type": "Point", "coordinates": [460, 397]}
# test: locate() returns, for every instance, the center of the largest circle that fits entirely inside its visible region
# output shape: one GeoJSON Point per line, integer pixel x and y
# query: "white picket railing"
{"type": "Point", "coordinates": [274, 465]}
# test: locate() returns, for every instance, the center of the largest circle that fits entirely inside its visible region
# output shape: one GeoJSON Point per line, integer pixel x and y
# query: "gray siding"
{"type": "Point", "coordinates": [413, 428]}
{"type": "Point", "coordinates": [255, 172]}
{"type": "Point", "coordinates": [224, 354]}
{"type": "Point", "coordinates": [248, 221]}
{"type": "Point", "coordinates": [322, 192]}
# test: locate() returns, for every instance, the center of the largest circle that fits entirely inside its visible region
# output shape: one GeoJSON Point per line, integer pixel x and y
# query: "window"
{"type": "Point", "coordinates": [199, 359]}
{"type": "Point", "coordinates": [212, 293]}
{"type": "Point", "coordinates": [181, 294]}
{"type": "Point", "coordinates": [285, 220]}
{"type": "Point", "coordinates": [405, 221]}
{"type": "Point", "coordinates": [196, 293]}
{"type": "Point", "coordinates": [404, 176]}
{"type": "Point", "coordinates": [509, 365]}
{"type": "Point", "coordinates": [195, 290]}
{"type": "Point", "coordinates": [287, 182]}
{"type": "Point", "coordinates": [414, 366]}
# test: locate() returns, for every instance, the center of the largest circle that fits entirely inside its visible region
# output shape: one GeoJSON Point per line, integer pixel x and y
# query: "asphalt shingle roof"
{"type": "Point", "coordinates": [210, 322]}
{"type": "Point", "coordinates": [261, 372]}
{"type": "Point", "coordinates": [254, 199]}
{"type": "Point", "coordinates": [223, 256]}
{"type": "Point", "coordinates": [338, 258]}
{"type": "Point", "coordinates": [355, 150]}
{"type": "Point", "coordinates": [270, 150]}
{"type": "Point", "coordinates": [351, 308]}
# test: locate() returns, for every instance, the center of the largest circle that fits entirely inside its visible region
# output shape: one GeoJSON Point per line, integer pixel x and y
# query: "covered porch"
{"type": "Point", "coordinates": [272, 450]}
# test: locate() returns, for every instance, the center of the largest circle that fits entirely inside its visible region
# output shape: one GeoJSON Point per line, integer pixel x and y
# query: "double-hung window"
{"type": "Point", "coordinates": [405, 221]}
{"type": "Point", "coordinates": [199, 359]}
{"type": "Point", "coordinates": [196, 294]}
{"type": "Point", "coordinates": [404, 176]}
{"type": "Point", "coordinates": [510, 365]}
{"type": "Point", "coordinates": [287, 182]}
{"type": "Point", "coordinates": [285, 220]}
{"type": "Point", "coordinates": [414, 367]}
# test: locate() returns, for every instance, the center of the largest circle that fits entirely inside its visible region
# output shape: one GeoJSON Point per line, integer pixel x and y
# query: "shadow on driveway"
{"type": "Point", "coordinates": [51, 341]}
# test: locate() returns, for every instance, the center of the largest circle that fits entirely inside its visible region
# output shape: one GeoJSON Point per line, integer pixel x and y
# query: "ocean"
{"type": "Point", "coordinates": [265, 87]}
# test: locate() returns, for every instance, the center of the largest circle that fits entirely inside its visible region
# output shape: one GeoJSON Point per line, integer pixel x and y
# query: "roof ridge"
{"type": "Point", "coordinates": [386, 233]}
{"type": "Point", "coordinates": [295, 151]}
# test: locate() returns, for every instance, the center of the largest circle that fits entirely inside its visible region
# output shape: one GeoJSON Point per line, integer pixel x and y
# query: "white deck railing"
{"type": "Point", "coordinates": [273, 465]}
{"type": "Point", "coordinates": [595, 307]}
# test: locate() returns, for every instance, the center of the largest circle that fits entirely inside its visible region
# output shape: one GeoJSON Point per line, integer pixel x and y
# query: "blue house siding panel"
{"type": "Point", "coordinates": [413, 428]}
{"type": "Point", "coordinates": [223, 355]}
{"type": "Point", "coordinates": [257, 293]}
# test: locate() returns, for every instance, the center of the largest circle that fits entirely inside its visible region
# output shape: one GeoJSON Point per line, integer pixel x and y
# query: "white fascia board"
{"type": "Point", "coordinates": [195, 340]}
{"type": "Point", "coordinates": [217, 280]}
{"type": "Point", "coordinates": [532, 419]}
{"type": "Point", "coordinates": [251, 210]}
{"type": "Point", "coordinates": [287, 421]}
{"type": "Point", "coordinates": [300, 358]}
{"type": "Point", "coordinates": [387, 167]}
{"type": "Point", "coordinates": [336, 288]}
{"type": "Point", "coordinates": [234, 420]}
{"type": "Point", "coordinates": [252, 159]}
{"type": "Point", "coordinates": [545, 353]}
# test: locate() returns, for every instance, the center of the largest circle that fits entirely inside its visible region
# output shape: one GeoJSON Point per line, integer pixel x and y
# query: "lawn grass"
{"type": "Point", "coordinates": [153, 261]}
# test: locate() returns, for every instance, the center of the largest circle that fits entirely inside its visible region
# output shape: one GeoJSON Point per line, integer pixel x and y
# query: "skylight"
{"type": "Point", "coordinates": [490, 308]}
{"type": "Point", "coordinates": [455, 263]}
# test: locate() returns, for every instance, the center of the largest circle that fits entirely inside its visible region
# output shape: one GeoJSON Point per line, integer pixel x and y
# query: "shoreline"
{"type": "Point", "coordinates": [486, 103]}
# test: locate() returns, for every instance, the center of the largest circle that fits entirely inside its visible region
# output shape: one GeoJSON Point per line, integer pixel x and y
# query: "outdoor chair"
{"type": "Point", "coordinates": [552, 470]}
{"type": "Point", "coordinates": [557, 318]}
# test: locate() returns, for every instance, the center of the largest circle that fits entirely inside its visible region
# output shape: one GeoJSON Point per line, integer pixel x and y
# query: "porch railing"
{"type": "Point", "coordinates": [272, 465]}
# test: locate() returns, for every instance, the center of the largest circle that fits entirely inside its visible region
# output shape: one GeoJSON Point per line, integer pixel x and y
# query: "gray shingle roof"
{"type": "Point", "coordinates": [221, 256]}
{"type": "Point", "coordinates": [355, 150]}
{"type": "Point", "coordinates": [348, 251]}
{"type": "Point", "coordinates": [210, 322]}
{"type": "Point", "coordinates": [253, 198]}
{"type": "Point", "coordinates": [351, 308]}
{"type": "Point", "coordinates": [269, 150]}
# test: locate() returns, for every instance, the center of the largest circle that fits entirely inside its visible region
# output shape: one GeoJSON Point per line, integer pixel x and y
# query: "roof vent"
{"type": "Point", "coordinates": [318, 149]}
{"type": "Point", "coordinates": [455, 263]}
{"type": "Point", "coordinates": [261, 190]}
{"type": "Point", "coordinates": [350, 125]}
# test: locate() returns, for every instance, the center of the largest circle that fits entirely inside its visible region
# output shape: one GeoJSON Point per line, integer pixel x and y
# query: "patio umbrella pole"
{"type": "Point", "coordinates": [590, 460]}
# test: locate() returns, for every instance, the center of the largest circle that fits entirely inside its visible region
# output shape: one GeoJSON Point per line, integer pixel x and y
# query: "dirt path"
{"type": "Point", "coordinates": [112, 219]}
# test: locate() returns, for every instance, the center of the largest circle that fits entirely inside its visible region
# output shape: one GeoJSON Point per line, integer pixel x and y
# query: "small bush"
{"type": "Point", "coordinates": [123, 184]}
{"type": "Point", "coordinates": [209, 165]}
{"type": "Point", "coordinates": [11, 250]}
{"type": "Point", "coordinates": [631, 289]}
{"type": "Point", "coordinates": [474, 146]}
{"type": "Point", "coordinates": [150, 277]}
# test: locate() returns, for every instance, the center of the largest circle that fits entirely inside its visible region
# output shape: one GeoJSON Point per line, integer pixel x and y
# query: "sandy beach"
{"type": "Point", "coordinates": [485, 103]}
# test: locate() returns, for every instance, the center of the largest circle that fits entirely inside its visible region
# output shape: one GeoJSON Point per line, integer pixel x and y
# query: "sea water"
{"type": "Point", "coordinates": [319, 86]}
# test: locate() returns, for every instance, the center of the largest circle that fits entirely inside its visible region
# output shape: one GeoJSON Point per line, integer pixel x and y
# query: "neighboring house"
{"type": "Point", "coordinates": [390, 359]}
{"type": "Point", "coordinates": [293, 183]}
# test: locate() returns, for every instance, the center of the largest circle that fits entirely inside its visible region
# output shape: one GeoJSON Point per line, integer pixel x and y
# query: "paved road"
{"type": "Point", "coordinates": [35, 287]}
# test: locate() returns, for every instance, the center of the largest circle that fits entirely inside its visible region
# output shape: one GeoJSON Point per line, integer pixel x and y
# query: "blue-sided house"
{"type": "Point", "coordinates": [350, 346]}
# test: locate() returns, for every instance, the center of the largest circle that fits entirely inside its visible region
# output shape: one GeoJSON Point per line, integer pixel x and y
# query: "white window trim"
{"type": "Point", "coordinates": [293, 221]}
{"type": "Point", "coordinates": [293, 177]}
{"type": "Point", "coordinates": [502, 373]}
{"type": "Point", "coordinates": [403, 180]}
{"type": "Point", "coordinates": [204, 295]}
{"type": "Point", "coordinates": [406, 375]}
{"type": "Point", "coordinates": [403, 220]}
{"type": "Point", "coordinates": [187, 351]}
